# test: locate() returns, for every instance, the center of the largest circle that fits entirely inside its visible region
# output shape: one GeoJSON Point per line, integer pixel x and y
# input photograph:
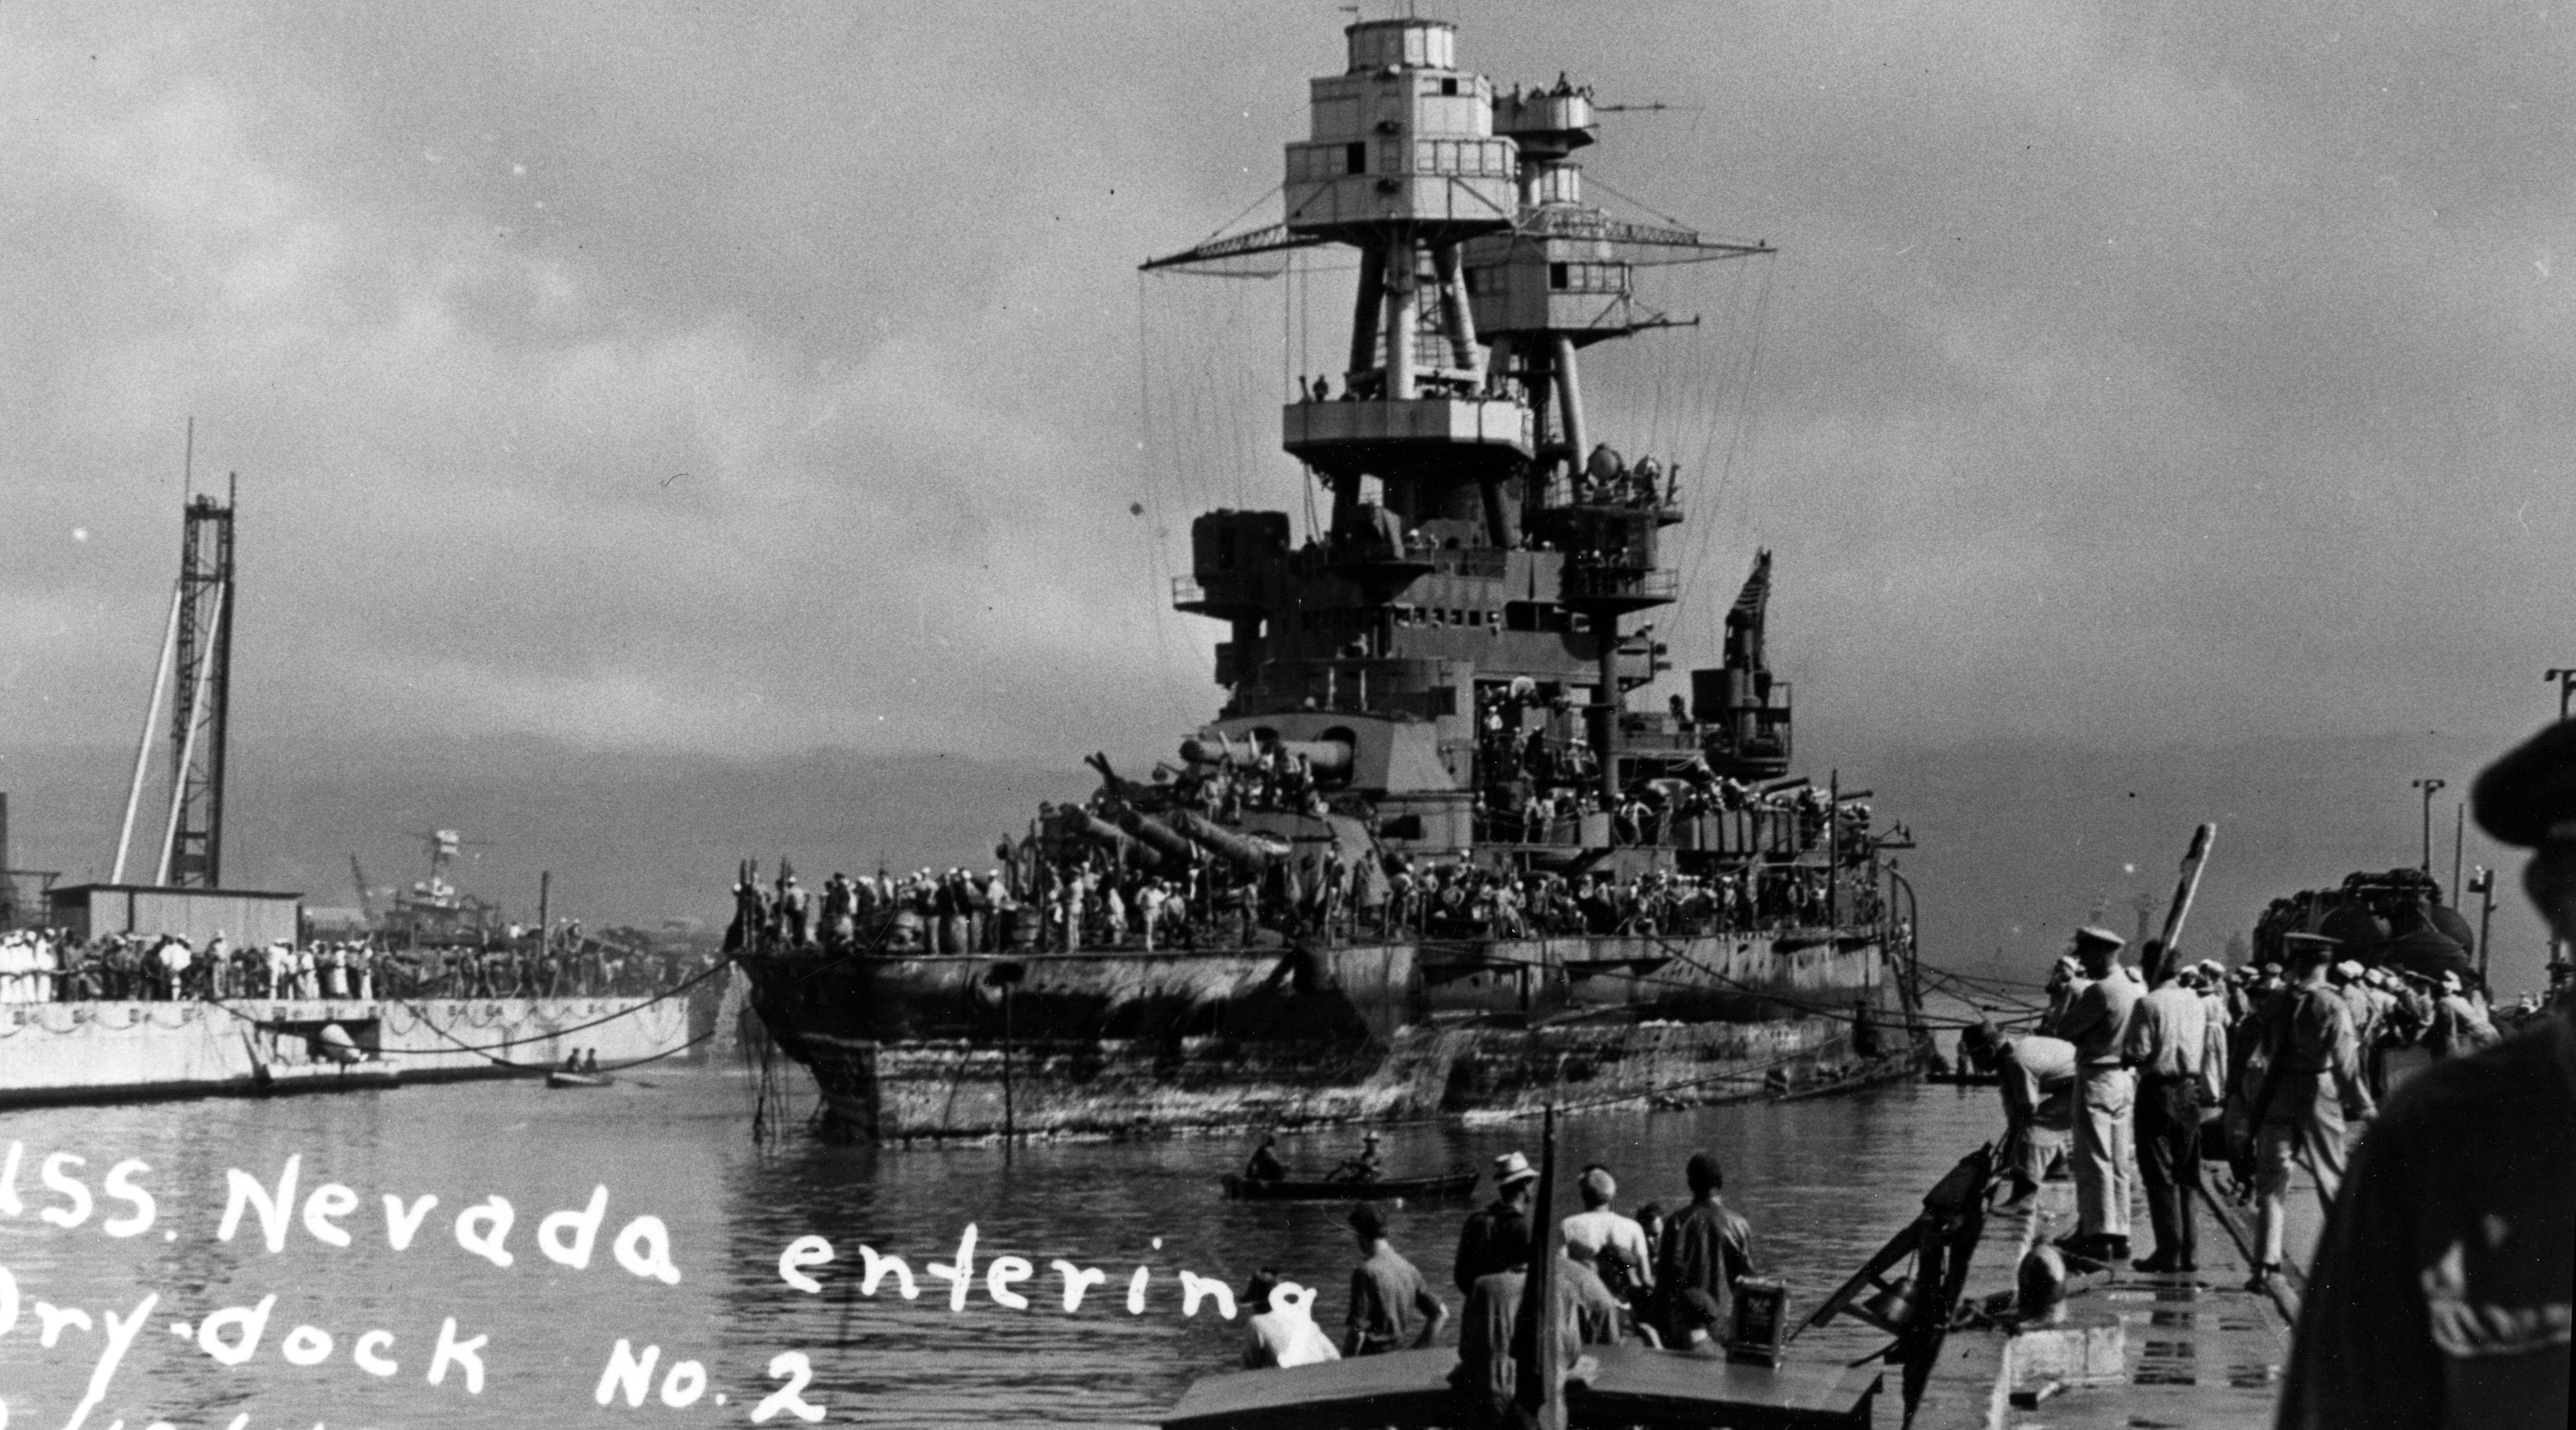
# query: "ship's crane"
{"type": "Point", "coordinates": [366, 899]}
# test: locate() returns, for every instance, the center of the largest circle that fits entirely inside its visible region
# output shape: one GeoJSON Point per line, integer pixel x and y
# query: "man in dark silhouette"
{"type": "Point", "coordinates": [1489, 1233]}
{"type": "Point", "coordinates": [1706, 1246]}
{"type": "Point", "coordinates": [2441, 1290]}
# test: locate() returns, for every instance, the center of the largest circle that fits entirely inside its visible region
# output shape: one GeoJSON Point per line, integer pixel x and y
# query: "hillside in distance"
{"type": "Point", "coordinates": [2020, 841]}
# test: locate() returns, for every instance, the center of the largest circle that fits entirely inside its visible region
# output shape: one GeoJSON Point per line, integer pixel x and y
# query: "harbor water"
{"type": "Point", "coordinates": [1823, 1182]}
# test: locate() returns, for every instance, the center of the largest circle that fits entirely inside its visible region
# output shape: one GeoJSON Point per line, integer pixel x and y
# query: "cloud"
{"type": "Point", "coordinates": [653, 377]}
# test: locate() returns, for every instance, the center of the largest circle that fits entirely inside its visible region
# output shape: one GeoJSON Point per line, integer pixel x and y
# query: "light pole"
{"type": "Point", "coordinates": [2565, 676]}
{"type": "Point", "coordinates": [2459, 834]}
{"type": "Point", "coordinates": [2428, 785]}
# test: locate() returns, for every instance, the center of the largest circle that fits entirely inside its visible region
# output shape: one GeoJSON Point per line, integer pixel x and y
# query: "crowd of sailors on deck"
{"type": "Point", "coordinates": [1666, 1281]}
{"type": "Point", "coordinates": [51, 966]}
{"type": "Point", "coordinates": [1082, 899]}
{"type": "Point", "coordinates": [1542, 790]}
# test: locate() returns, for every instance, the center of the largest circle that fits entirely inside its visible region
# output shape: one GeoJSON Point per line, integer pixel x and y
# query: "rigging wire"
{"type": "Point", "coordinates": [1741, 435]}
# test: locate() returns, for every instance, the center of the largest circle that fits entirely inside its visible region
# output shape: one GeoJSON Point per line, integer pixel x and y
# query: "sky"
{"type": "Point", "coordinates": [736, 381]}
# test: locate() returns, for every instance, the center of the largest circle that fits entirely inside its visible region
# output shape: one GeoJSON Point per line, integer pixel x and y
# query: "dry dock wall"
{"type": "Point", "coordinates": [100, 1052]}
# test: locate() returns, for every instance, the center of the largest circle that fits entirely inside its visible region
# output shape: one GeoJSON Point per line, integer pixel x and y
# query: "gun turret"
{"type": "Point", "coordinates": [1327, 759]}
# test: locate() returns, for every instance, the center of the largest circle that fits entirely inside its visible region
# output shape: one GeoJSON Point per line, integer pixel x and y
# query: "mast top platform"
{"type": "Point", "coordinates": [1401, 144]}
{"type": "Point", "coordinates": [1408, 42]}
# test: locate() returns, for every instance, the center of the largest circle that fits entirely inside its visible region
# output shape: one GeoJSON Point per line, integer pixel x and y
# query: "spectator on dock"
{"type": "Point", "coordinates": [2312, 1084]}
{"type": "Point", "coordinates": [1282, 1331]}
{"type": "Point", "coordinates": [1609, 1243]}
{"type": "Point", "coordinates": [1500, 1228]}
{"type": "Point", "coordinates": [2441, 1290]}
{"type": "Point", "coordinates": [1706, 1246]}
{"type": "Point", "coordinates": [1392, 1308]}
{"type": "Point", "coordinates": [2168, 1045]}
{"type": "Point", "coordinates": [2035, 1077]}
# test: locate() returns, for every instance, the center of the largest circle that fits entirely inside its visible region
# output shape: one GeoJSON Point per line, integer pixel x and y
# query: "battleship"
{"type": "Point", "coordinates": [1427, 860]}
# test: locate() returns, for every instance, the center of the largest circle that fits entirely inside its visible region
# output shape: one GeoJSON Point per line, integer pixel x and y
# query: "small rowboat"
{"type": "Point", "coordinates": [1459, 1183]}
{"type": "Point", "coordinates": [560, 1078]}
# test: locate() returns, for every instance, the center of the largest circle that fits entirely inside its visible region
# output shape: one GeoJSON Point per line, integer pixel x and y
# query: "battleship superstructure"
{"type": "Point", "coordinates": [1426, 857]}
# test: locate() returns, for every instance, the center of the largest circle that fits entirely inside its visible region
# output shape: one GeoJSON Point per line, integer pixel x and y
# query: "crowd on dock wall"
{"type": "Point", "coordinates": [48, 966]}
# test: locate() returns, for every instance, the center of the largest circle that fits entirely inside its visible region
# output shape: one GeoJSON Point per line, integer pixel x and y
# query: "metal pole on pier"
{"type": "Point", "coordinates": [545, 901]}
{"type": "Point", "coordinates": [2459, 833]}
{"type": "Point", "coordinates": [2428, 785]}
{"type": "Point", "coordinates": [2482, 883]}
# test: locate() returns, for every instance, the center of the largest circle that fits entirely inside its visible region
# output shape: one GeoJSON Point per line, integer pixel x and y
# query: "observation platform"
{"type": "Point", "coordinates": [1459, 437]}
{"type": "Point", "coordinates": [1619, 589]}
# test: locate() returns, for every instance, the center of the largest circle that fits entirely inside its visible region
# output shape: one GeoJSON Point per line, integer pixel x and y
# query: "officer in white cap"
{"type": "Point", "coordinates": [2097, 1023]}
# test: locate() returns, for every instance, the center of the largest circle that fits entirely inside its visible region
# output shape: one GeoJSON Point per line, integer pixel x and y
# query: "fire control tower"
{"type": "Point", "coordinates": [1464, 601]}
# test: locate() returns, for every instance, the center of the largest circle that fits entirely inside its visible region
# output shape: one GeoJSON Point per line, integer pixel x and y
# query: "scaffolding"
{"type": "Point", "coordinates": [196, 671]}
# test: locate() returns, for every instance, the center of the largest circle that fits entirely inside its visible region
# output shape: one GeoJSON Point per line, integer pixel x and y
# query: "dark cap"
{"type": "Point", "coordinates": [1698, 1308]}
{"type": "Point", "coordinates": [2093, 937]}
{"type": "Point", "coordinates": [1703, 1173]}
{"type": "Point", "coordinates": [1369, 1220]}
{"type": "Point", "coordinates": [2528, 798]}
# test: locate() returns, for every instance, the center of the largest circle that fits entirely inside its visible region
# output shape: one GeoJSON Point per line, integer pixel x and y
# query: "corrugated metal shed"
{"type": "Point", "coordinates": [197, 915]}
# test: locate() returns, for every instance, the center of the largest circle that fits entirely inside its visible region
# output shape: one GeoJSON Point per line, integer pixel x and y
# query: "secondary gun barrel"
{"type": "Point", "coordinates": [1223, 842]}
{"type": "Point", "coordinates": [1153, 833]}
{"type": "Point", "coordinates": [1131, 851]}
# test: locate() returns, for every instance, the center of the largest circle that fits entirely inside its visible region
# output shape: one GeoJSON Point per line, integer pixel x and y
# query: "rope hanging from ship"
{"type": "Point", "coordinates": [422, 1019]}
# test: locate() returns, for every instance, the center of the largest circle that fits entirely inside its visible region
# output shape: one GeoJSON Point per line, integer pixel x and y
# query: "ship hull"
{"type": "Point", "coordinates": [1122, 1042]}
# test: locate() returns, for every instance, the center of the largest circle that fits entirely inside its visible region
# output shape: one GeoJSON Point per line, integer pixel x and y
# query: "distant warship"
{"type": "Point", "coordinates": [1426, 860]}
